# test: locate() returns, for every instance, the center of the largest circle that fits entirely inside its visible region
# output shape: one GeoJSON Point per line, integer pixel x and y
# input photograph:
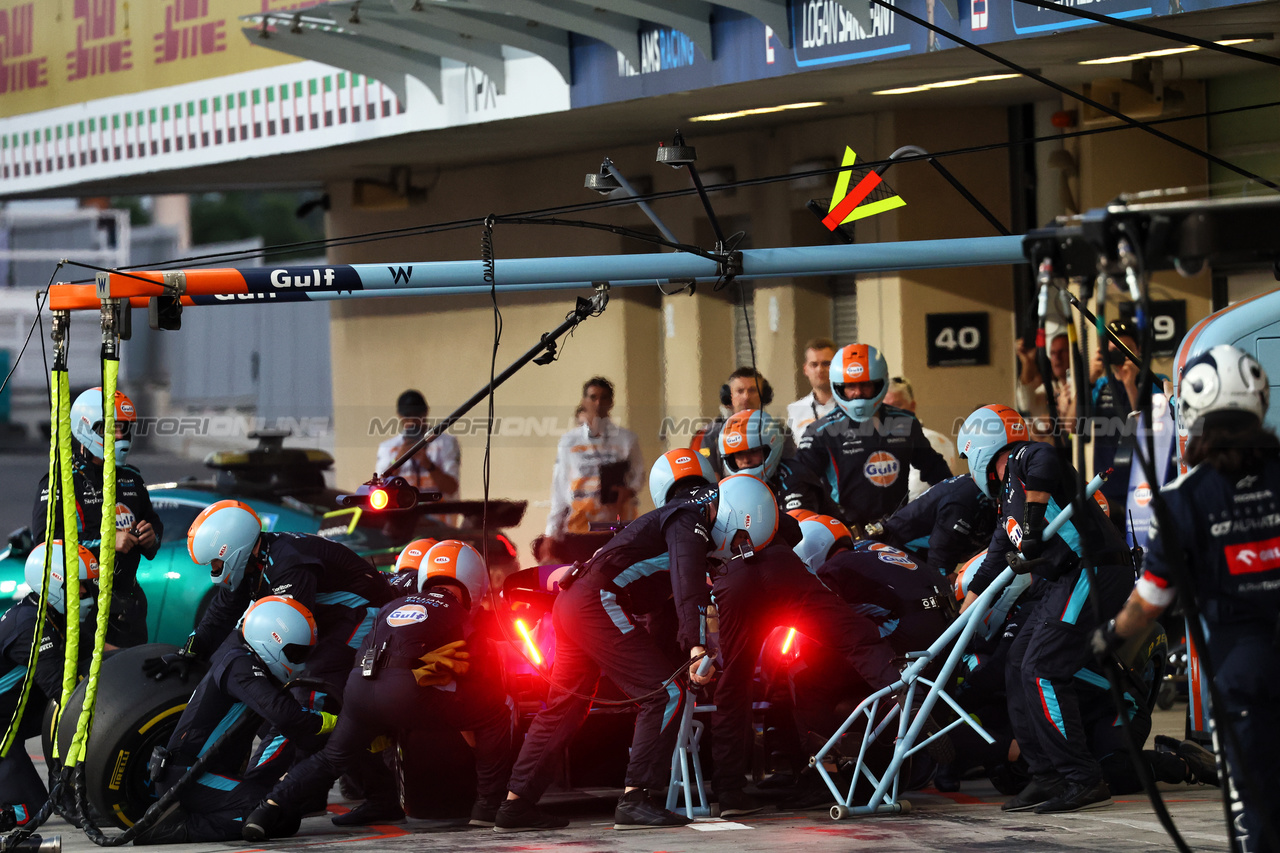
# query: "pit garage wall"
{"type": "Point", "coordinates": [668, 355]}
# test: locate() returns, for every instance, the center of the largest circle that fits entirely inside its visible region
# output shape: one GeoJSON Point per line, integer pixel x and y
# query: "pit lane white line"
{"type": "Point", "coordinates": [1154, 826]}
{"type": "Point", "coordinates": [715, 824]}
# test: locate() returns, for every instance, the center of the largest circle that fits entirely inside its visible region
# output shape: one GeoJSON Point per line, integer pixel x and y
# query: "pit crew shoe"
{"type": "Point", "coordinates": [1078, 797]}
{"type": "Point", "coordinates": [738, 803]}
{"type": "Point", "coordinates": [1041, 789]}
{"type": "Point", "coordinates": [520, 815]}
{"type": "Point", "coordinates": [262, 822]}
{"type": "Point", "coordinates": [636, 811]}
{"type": "Point", "coordinates": [484, 812]}
{"type": "Point", "coordinates": [370, 812]}
{"type": "Point", "coordinates": [1202, 764]}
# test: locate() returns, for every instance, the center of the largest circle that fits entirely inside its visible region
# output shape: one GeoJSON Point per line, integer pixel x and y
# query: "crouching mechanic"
{"type": "Point", "coordinates": [752, 442]}
{"type": "Point", "coordinates": [245, 678]}
{"type": "Point", "coordinates": [759, 587]}
{"type": "Point", "coordinates": [1220, 534]}
{"type": "Point", "coordinates": [22, 791]}
{"type": "Point", "coordinates": [342, 591]}
{"type": "Point", "coordinates": [945, 526]}
{"type": "Point", "coordinates": [596, 631]}
{"type": "Point", "coordinates": [1032, 486]}
{"type": "Point", "coordinates": [415, 672]}
{"type": "Point", "coordinates": [138, 527]}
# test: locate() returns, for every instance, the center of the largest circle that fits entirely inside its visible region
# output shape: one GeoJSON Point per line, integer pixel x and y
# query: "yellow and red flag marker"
{"type": "Point", "coordinates": [847, 206]}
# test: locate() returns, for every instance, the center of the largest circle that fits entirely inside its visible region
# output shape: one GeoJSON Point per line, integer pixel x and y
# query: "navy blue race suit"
{"type": "Point", "coordinates": [946, 525]}
{"type": "Point", "coordinates": [128, 623]}
{"type": "Point", "coordinates": [236, 684]}
{"type": "Point", "coordinates": [753, 596]}
{"type": "Point", "coordinates": [863, 466]}
{"type": "Point", "coordinates": [1229, 531]}
{"type": "Point", "coordinates": [1052, 645]}
{"type": "Point", "coordinates": [390, 702]}
{"type": "Point", "coordinates": [597, 631]}
{"type": "Point", "coordinates": [20, 784]}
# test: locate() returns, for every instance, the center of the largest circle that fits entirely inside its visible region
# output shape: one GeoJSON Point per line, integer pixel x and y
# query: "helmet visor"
{"type": "Point", "coordinates": [296, 652]}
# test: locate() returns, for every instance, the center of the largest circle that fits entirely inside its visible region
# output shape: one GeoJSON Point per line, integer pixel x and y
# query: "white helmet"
{"type": "Point", "coordinates": [821, 533]}
{"type": "Point", "coordinates": [56, 594]}
{"type": "Point", "coordinates": [226, 531]}
{"type": "Point", "coordinates": [281, 632]}
{"type": "Point", "coordinates": [748, 430]}
{"type": "Point", "coordinates": [453, 560]}
{"type": "Point", "coordinates": [859, 363]}
{"type": "Point", "coordinates": [675, 466]}
{"type": "Point", "coordinates": [1224, 379]}
{"type": "Point", "coordinates": [86, 423]}
{"type": "Point", "coordinates": [744, 505]}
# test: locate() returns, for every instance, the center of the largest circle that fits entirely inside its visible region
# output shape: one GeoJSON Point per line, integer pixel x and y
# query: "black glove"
{"type": "Point", "coordinates": [177, 663]}
{"type": "Point", "coordinates": [1022, 565]}
{"type": "Point", "coordinates": [1033, 525]}
{"type": "Point", "coordinates": [1104, 641]}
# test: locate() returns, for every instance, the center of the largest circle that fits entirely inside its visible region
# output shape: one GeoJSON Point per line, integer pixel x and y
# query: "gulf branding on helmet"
{"type": "Point", "coordinates": [411, 556]}
{"type": "Point", "coordinates": [859, 363]}
{"type": "Point", "coordinates": [985, 433]}
{"type": "Point", "coordinates": [752, 429]}
{"type": "Point", "coordinates": [675, 466]}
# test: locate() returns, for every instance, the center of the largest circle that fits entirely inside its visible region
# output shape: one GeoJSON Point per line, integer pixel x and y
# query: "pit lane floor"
{"type": "Point", "coordinates": [970, 820]}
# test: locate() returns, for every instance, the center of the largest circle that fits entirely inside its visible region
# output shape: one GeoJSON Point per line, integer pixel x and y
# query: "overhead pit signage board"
{"type": "Point", "coordinates": [823, 33]}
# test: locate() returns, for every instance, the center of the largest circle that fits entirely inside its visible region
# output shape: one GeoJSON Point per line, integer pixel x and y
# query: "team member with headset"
{"type": "Point", "coordinates": [596, 631]}
{"type": "Point", "coordinates": [746, 388]}
{"type": "Point", "coordinates": [1031, 487]}
{"type": "Point", "coordinates": [860, 452]}
{"type": "Point", "coordinates": [22, 791]}
{"type": "Point", "coordinates": [418, 656]}
{"type": "Point", "coordinates": [138, 527]}
{"type": "Point", "coordinates": [1225, 542]}
{"type": "Point", "coordinates": [248, 676]}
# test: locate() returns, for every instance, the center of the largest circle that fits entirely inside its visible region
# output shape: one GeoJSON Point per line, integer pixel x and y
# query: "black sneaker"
{"type": "Point", "coordinates": [1040, 790]}
{"type": "Point", "coordinates": [370, 812]}
{"type": "Point", "coordinates": [738, 802]}
{"type": "Point", "coordinates": [1202, 765]}
{"type": "Point", "coordinates": [1078, 797]}
{"type": "Point", "coordinates": [485, 812]}
{"type": "Point", "coordinates": [262, 822]}
{"type": "Point", "coordinates": [636, 811]}
{"type": "Point", "coordinates": [810, 792]}
{"type": "Point", "coordinates": [520, 815]}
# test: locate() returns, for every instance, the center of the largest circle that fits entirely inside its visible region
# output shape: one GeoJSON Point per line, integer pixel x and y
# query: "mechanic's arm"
{"type": "Point", "coordinates": [150, 528]}
{"type": "Point", "coordinates": [931, 464]}
{"type": "Point", "coordinates": [688, 541]}
{"type": "Point", "coordinates": [220, 617]}
{"type": "Point", "coordinates": [949, 540]}
{"type": "Point", "coordinates": [245, 682]}
{"type": "Point", "coordinates": [992, 565]}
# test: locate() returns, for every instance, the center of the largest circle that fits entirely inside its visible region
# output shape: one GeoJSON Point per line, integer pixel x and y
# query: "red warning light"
{"type": "Point", "coordinates": [786, 643]}
{"type": "Point", "coordinates": [378, 499]}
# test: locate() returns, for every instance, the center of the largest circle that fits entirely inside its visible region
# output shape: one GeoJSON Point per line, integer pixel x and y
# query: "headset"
{"type": "Point", "coordinates": [766, 390]}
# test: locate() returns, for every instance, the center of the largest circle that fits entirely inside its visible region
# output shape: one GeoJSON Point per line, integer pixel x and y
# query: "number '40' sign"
{"type": "Point", "coordinates": [957, 340]}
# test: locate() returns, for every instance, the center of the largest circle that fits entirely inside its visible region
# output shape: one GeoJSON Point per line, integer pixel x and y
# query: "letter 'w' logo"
{"type": "Point", "coordinates": [399, 274]}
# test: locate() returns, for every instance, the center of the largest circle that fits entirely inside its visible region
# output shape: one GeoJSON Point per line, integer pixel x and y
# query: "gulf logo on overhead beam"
{"type": "Point", "coordinates": [847, 206]}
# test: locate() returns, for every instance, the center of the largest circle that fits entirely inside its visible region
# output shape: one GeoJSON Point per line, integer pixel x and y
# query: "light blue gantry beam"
{"type": "Point", "coordinates": [883, 711]}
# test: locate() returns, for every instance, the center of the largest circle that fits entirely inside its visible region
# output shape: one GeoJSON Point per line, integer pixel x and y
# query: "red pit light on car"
{"type": "Point", "coordinates": [786, 643]}
{"type": "Point", "coordinates": [378, 499]}
{"type": "Point", "coordinates": [531, 648]}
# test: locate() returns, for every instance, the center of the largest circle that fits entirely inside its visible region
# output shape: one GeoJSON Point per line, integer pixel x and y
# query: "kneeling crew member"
{"type": "Point", "coordinates": [415, 673]}
{"type": "Point", "coordinates": [22, 791]}
{"type": "Point", "coordinates": [752, 442]}
{"type": "Point", "coordinates": [1032, 487]}
{"type": "Point", "coordinates": [596, 631]}
{"type": "Point", "coordinates": [1225, 526]}
{"type": "Point", "coordinates": [246, 677]}
{"type": "Point", "coordinates": [759, 588]}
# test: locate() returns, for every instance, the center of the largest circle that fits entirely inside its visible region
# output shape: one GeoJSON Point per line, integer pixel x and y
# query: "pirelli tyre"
{"type": "Point", "coordinates": [134, 714]}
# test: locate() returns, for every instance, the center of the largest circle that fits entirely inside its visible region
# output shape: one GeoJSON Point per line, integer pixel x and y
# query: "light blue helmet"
{"type": "Point", "coordinates": [983, 435]}
{"type": "Point", "coordinates": [56, 594]}
{"type": "Point", "coordinates": [281, 632]}
{"type": "Point", "coordinates": [227, 531]}
{"type": "Point", "coordinates": [675, 466]}
{"type": "Point", "coordinates": [744, 505]}
{"type": "Point", "coordinates": [86, 423]}
{"type": "Point", "coordinates": [859, 363]}
{"type": "Point", "coordinates": [748, 430]}
{"type": "Point", "coordinates": [821, 533]}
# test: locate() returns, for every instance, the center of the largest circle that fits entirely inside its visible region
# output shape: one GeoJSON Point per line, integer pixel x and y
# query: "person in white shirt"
{"type": "Point", "coordinates": [595, 456]}
{"type": "Point", "coordinates": [818, 402]}
{"type": "Point", "coordinates": [437, 465]}
{"type": "Point", "coordinates": [902, 395]}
